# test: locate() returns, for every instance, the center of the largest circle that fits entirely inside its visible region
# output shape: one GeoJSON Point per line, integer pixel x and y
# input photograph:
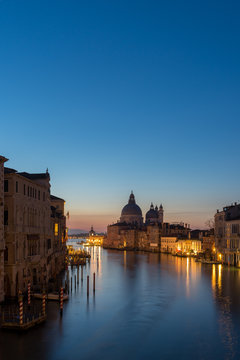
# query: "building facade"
{"type": "Point", "coordinates": [227, 234]}
{"type": "Point", "coordinates": [35, 231]}
{"type": "Point", "coordinates": [2, 239]}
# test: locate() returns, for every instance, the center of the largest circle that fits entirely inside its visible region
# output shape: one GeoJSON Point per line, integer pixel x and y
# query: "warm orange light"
{"type": "Point", "coordinates": [56, 229]}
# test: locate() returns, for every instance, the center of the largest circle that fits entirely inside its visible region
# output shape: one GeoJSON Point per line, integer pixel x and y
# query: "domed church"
{"type": "Point", "coordinates": [131, 213]}
{"type": "Point", "coordinates": [131, 233]}
{"type": "Point", "coordinates": [154, 216]}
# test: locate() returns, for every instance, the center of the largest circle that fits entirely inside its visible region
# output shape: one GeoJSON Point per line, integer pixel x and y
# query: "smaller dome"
{"type": "Point", "coordinates": [151, 214]}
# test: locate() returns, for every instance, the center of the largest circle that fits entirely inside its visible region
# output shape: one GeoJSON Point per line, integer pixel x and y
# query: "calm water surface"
{"type": "Point", "coordinates": [146, 306]}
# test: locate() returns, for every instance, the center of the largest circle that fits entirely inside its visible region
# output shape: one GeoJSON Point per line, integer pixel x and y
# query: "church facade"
{"type": "Point", "coordinates": [132, 232]}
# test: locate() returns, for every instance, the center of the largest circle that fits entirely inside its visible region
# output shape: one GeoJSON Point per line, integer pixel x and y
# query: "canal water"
{"type": "Point", "coordinates": [146, 306]}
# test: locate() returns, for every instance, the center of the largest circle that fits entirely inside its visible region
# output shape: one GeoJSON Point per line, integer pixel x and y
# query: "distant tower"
{"type": "Point", "coordinates": [160, 214]}
{"type": "Point", "coordinates": [92, 232]}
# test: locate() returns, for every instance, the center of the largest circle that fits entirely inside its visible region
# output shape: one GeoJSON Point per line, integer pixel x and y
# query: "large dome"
{"type": "Point", "coordinates": [131, 212]}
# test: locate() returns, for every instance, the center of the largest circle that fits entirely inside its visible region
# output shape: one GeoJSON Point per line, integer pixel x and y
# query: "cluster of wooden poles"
{"type": "Point", "coordinates": [25, 319]}
{"type": "Point", "coordinates": [20, 303]}
{"type": "Point", "coordinates": [69, 283]}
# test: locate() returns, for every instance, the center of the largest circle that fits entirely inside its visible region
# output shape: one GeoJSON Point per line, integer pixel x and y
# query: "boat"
{"type": "Point", "coordinates": [211, 262]}
{"type": "Point", "coordinates": [50, 296]}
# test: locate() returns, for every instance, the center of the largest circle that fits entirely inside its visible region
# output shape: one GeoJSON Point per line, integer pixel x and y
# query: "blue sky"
{"type": "Point", "coordinates": [114, 96]}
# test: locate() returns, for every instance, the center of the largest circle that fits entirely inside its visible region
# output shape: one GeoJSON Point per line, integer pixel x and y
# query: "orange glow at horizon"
{"type": "Point", "coordinates": [101, 221]}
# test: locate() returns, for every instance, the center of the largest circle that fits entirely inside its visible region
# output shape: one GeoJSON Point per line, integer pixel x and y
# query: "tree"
{"type": "Point", "coordinates": [210, 223]}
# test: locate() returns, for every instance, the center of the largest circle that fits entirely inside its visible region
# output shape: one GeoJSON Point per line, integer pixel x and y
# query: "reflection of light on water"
{"type": "Point", "coordinates": [217, 279]}
{"type": "Point", "coordinates": [214, 278]}
{"type": "Point", "coordinates": [96, 260]}
{"type": "Point", "coordinates": [125, 259]}
{"type": "Point", "coordinates": [223, 303]}
{"type": "Point", "coordinates": [220, 277]}
{"type": "Point", "coordinates": [187, 278]}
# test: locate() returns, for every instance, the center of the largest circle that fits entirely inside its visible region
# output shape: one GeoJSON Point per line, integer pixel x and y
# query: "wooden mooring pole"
{"type": "Point", "coordinates": [20, 300]}
{"type": "Point", "coordinates": [61, 301]}
{"type": "Point", "coordinates": [29, 293]}
{"type": "Point", "coordinates": [94, 282]}
{"type": "Point", "coordinates": [87, 285]}
{"type": "Point", "coordinates": [44, 303]}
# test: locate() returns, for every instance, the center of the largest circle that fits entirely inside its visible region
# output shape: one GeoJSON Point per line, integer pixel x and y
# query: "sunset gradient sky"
{"type": "Point", "coordinates": [114, 96]}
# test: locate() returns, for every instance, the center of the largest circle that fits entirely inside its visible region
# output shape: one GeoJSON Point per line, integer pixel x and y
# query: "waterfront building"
{"type": "Point", "coordinates": [131, 233]}
{"type": "Point", "coordinates": [208, 242]}
{"type": "Point", "coordinates": [189, 246]}
{"type": "Point", "coordinates": [2, 240]}
{"type": "Point", "coordinates": [59, 237]}
{"type": "Point", "coordinates": [94, 238]}
{"type": "Point", "coordinates": [169, 244]}
{"type": "Point", "coordinates": [227, 234]}
{"type": "Point", "coordinates": [35, 231]}
{"type": "Point", "coordinates": [174, 245]}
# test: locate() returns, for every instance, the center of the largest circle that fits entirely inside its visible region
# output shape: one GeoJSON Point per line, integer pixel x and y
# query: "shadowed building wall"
{"type": "Point", "coordinates": [2, 242]}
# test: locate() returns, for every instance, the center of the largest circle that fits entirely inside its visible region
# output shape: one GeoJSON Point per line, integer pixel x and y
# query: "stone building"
{"type": "Point", "coordinates": [131, 213]}
{"type": "Point", "coordinates": [227, 234]}
{"type": "Point", "coordinates": [169, 244]}
{"type": "Point", "coordinates": [2, 240]}
{"type": "Point", "coordinates": [131, 233]}
{"type": "Point", "coordinates": [35, 230]}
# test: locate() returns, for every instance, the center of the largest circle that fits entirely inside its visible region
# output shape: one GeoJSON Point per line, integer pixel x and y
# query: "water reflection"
{"type": "Point", "coordinates": [146, 306]}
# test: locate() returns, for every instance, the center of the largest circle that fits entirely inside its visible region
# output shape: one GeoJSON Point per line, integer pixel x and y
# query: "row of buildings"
{"type": "Point", "coordinates": [132, 231]}
{"type": "Point", "coordinates": [32, 231]}
{"type": "Point", "coordinates": [227, 234]}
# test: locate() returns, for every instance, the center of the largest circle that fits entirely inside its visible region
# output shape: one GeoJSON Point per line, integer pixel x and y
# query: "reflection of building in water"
{"type": "Point", "coordinates": [225, 293]}
{"type": "Point", "coordinates": [131, 232]}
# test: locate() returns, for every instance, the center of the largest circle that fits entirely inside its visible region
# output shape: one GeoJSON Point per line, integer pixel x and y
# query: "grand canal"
{"type": "Point", "coordinates": [146, 306]}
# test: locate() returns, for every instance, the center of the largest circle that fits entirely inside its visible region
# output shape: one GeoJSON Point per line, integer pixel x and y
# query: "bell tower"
{"type": "Point", "coordinates": [160, 214]}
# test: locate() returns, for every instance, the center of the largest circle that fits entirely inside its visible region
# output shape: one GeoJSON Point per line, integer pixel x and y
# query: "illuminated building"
{"type": "Point", "coordinates": [94, 239]}
{"type": "Point", "coordinates": [131, 233]}
{"type": "Point", "coordinates": [227, 234]}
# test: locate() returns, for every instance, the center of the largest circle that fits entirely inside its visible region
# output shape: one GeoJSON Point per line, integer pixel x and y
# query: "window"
{"type": "Point", "coordinates": [49, 244]}
{"type": "Point", "coordinates": [16, 186]}
{"type": "Point", "coordinates": [5, 217]}
{"type": "Point", "coordinates": [56, 229]}
{"type": "Point", "coordinates": [6, 254]}
{"type": "Point", "coordinates": [44, 196]}
{"type": "Point", "coordinates": [235, 228]}
{"type": "Point", "coordinates": [38, 194]}
{"type": "Point", "coordinates": [5, 185]}
{"type": "Point", "coordinates": [24, 189]}
{"type": "Point", "coordinates": [28, 191]}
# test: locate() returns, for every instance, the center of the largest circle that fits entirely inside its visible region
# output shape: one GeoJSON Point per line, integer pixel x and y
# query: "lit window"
{"type": "Point", "coordinates": [56, 229]}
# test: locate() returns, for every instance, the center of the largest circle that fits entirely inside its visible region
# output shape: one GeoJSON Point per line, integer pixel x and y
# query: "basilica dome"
{"type": "Point", "coordinates": [152, 213]}
{"type": "Point", "coordinates": [131, 213]}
